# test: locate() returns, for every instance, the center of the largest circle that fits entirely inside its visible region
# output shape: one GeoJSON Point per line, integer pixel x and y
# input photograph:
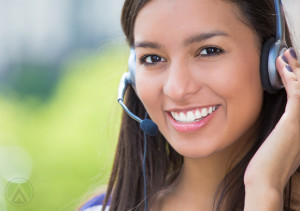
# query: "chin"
{"type": "Point", "coordinates": [198, 147]}
{"type": "Point", "coordinates": [201, 150]}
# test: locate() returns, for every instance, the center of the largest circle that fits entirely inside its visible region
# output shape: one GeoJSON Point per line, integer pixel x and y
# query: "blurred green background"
{"type": "Point", "coordinates": [63, 145]}
{"type": "Point", "coordinates": [60, 65]}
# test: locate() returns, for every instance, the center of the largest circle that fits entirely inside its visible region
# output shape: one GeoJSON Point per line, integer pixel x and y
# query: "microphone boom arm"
{"type": "Point", "coordinates": [125, 81]}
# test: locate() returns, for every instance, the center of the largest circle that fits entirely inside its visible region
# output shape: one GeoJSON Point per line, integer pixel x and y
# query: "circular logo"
{"type": "Point", "coordinates": [19, 192]}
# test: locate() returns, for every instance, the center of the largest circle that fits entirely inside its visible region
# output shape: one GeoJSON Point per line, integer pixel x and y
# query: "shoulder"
{"type": "Point", "coordinates": [95, 204]}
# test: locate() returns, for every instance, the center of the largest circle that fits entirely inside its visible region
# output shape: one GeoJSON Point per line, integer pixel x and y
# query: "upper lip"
{"type": "Point", "coordinates": [185, 109]}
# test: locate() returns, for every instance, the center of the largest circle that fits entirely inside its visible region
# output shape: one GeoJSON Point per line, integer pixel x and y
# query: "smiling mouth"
{"type": "Point", "coordinates": [193, 115]}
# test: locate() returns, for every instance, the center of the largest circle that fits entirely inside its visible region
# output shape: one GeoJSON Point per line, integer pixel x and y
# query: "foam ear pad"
{"type": "Point", "coordinates": [131, 66]}
{"type": "Point", "coordinates": [264, 63]}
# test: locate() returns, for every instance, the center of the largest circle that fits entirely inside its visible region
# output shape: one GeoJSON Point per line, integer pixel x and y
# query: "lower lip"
{"type": "Point", "coordinates": [193, 126]}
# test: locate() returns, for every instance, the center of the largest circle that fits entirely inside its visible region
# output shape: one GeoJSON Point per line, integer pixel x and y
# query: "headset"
{"type": "Point", "coordinates": [270, 79]}
{"type": "Point", "coordinates": [128, 78]}
{"type": "Point", "coordinates": [271, 49]}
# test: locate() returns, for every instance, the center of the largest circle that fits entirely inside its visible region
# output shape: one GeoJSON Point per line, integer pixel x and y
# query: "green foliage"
{"type": "Point", "coordinates": [71, 138]}
{"type": "Point", "coordinates": [30, 78]}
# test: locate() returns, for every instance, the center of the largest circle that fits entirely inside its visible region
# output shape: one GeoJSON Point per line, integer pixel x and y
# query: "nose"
{"type": "Point", "coordinates": [181, 83]}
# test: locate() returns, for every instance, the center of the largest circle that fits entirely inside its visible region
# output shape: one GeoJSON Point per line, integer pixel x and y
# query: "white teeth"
{"type": "Point", "coordinates": [198, 114]}
{"type": "Point", "coordinates": [174, 115]}
{"type": "Point", "coordinates": [210, 110]}
{"type": "Point", "coordinates": [204, 112]}
{"type": "Point", "coordinates": [182, 117]}
{"type": "Point", "coordinates": [192, 116]}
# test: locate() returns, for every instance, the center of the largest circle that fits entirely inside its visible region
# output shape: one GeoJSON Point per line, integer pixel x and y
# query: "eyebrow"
{"type": "Point", "coordinates": [147, 45]}
{"type": "Point", "coordinates": [190, 40]}
{"type": "Point", "coordinates": [203, 36]}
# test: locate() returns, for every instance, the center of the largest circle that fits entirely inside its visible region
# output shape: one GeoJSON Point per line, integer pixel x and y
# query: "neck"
{"type": "Point", "coordinates": [196, 185]}
{"type": "Point", "coordinates": [201, 177]}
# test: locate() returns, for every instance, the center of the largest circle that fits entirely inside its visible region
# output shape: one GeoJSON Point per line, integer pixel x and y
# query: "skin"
{"type": "Point", "coordinates": [187, 80]}
{"type": "Point", "coordinates": [183, 79]}
{"type": "Point", "coordinates": [279, 157]}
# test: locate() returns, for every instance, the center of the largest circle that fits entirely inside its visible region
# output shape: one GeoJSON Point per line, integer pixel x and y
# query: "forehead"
{"type": "Point", "coordinates": [177, 18]}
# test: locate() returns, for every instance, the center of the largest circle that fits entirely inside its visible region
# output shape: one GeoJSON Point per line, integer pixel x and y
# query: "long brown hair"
{"type": "Point", "coordinates": [163, 163]}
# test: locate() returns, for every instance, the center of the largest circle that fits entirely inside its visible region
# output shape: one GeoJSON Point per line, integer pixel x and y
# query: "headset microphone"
{"type": "Point", "coordinates": [147, 125]}
{"type": "Point", "coordinates": [271, 82]}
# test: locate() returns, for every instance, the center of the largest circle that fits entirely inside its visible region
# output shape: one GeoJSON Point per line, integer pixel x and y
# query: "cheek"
{"type": "Point", "coordinates": [239, 77]}
{"type": "Point", "coordinates": [242, 92]}
{"type": "Point", "coordinates": [148, 92]}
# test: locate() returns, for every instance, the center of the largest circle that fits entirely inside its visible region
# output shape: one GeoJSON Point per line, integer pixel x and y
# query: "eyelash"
{"type": "Point", "coordinates": [217, 52]}
{"type": "Point", "coordinates": [144, 58]}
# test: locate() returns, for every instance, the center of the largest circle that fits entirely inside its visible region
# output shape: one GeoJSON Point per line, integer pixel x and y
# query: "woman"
{"type": "Point", "coordinates": [223, 143]}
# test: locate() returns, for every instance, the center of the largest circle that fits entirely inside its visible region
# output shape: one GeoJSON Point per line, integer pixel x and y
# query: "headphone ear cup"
{"type": "Point", "coordinates": [132, 66]}
{"type": "Point", "coordinates": [264, 66]}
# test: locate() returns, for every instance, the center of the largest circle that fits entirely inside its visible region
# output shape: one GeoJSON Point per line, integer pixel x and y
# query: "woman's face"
{"type": "Point", "coordinates": [197, 73]}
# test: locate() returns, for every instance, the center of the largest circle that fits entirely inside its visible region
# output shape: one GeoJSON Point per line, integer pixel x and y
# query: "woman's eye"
{"type": "Point", "coordinates": [151, 59]}
{"type": "Point", "coordinates": [210, 51]}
